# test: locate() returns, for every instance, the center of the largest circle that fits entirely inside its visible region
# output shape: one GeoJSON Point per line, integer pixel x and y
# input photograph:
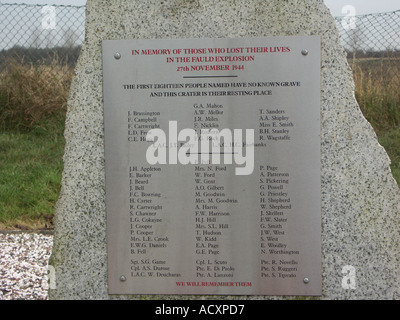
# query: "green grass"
{"type": "Point", "coordinates": [30, 176]}
{"type": "Point", "coordinates": [390, 140]}
{"type": "Point", "coordinates": [32, 114]}
{"type": "Point", "coordinates": [377, 84]}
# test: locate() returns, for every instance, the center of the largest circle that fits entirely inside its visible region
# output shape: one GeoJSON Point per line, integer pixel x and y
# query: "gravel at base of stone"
{"type": "Point", "coordinates": [23, 266]}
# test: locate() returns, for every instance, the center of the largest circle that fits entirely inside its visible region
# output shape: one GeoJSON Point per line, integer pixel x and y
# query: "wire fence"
{"type": "Point", "coordinates": [41, 34]}
{"type": "Point", "coordinates": [36, 34]}
{"type": "Point", "coordinates": [371, 35]}
{"type": "Point", "coordinates": [372, 43]}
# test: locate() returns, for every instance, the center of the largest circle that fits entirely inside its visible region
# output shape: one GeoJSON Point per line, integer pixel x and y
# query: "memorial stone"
{"type": "Point", "coordinates": [204, 64]}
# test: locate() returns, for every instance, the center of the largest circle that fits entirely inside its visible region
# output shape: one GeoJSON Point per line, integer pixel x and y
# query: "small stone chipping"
{"type": "Point", "coordinates": [23, 266]}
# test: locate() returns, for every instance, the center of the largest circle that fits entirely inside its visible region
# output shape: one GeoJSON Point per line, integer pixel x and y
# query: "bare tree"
{"type": "Point", "coordinates": [70, 38]}
{"type": "Point", "coordinates": [35, 38]}
{"type": "Point", "coordinates": [356, 40]}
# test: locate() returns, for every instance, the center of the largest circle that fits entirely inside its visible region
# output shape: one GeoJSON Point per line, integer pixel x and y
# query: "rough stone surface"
{"type": "Point", "coordinates": [360, 198]}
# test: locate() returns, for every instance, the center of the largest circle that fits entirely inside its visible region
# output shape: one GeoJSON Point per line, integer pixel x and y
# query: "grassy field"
{"type": "Point", "coordinates": [32, 113]}
{"type": "Point", "coordinates": [378, 94]}
{"type": "Point", "coordinates": [31, 167]}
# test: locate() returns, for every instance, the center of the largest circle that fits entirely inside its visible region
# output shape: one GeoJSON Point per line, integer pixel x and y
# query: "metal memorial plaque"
{"type": "Point", "coordinates": [212, 155]}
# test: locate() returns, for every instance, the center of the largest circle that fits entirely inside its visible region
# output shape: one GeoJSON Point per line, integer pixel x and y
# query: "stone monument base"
{"type": "Point", "coordinates": [359, 197]}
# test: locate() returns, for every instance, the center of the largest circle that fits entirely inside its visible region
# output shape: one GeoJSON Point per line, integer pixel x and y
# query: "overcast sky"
{"type": "Point", "coordinates": [336, 6]}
